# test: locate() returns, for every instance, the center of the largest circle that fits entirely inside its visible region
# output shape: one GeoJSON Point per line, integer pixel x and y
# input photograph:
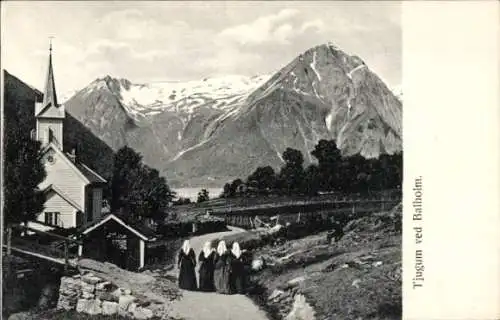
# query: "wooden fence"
{"type": "Point", "coordinates": [38, 245]}
{"type": "Point", "coordinates": [245, 218]}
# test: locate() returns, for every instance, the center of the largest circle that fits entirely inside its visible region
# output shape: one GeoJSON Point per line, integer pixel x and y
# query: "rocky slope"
{"type": "Point", "coordinates": [357, 276]}
{"type": "Point", "coordinates": [211, 131]}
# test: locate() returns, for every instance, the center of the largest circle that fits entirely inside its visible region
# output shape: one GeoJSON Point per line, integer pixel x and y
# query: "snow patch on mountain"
{"type": "Point", "coordinates": [295, 88]}
{"type": "Point", "coordinates": [350, 73]}
{"type": "Point", "coordinates": [328, 121]}
{"type": "Point", "coordinates": [189, 149]}
{"type": "Point", "coordinates": [219, 93]}
{"type": "Point", "coordinates": [349, 99]}
{"type": "Point", "coordinates": [313, 66]}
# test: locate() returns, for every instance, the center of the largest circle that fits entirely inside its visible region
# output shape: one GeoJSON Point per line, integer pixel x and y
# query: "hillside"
{"type": "Point", "coordinates": [19, 100]}
{"type": "Point", "coordinates": [235, 124]}
{"type": "Point", "coordinates": [357, 276]}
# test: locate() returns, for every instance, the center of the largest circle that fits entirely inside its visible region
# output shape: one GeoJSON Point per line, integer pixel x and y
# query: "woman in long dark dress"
{"type": "Point", "coordinates": [186, 263]}
{"type": "Point", "coordinates": [222, 269]}
{"type": "Point", "coordinates": [207, 266]}
{"type": "Point", "coordinates": [237, 270]}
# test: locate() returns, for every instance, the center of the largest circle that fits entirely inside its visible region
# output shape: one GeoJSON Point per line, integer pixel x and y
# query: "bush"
{"type": "Point", "coordinates": [182, 201]}
{"type": "Point", "coordinates": [203, 196]}
{"type": "Point", "coordinates": [162, 253]}
{"type": "Point", "coordinates": [175, 229]}
{"type": "Point", "coordinates": [210, 227]}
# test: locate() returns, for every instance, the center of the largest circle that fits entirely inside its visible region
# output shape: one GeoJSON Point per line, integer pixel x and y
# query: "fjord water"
{"type": "Point", "coordinates": [192, 193]}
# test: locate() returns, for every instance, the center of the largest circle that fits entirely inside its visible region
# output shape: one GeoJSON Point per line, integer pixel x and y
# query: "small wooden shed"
{"type": "Point", "coordinates": [116, 240]}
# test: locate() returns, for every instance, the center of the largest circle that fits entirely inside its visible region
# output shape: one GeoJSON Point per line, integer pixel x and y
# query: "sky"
{"type": "Point", "coordinates": [179, 41]}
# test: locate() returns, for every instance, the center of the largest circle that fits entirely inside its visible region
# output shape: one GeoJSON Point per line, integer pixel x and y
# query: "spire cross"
{"type": "Point", "coordinates": [50, 43]}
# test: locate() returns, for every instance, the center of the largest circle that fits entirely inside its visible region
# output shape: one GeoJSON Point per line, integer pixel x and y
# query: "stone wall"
{"type": "Point", "coordinates": [93, 295]}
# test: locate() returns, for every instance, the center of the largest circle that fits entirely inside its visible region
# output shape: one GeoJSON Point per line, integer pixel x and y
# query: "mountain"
{"type": "Point", "coordinates": [208, 132]}
{"type": "Point", "coordinates": [20, 98]}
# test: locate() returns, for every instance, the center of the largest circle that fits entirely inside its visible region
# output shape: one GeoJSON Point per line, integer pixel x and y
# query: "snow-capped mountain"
{"type": "Point", "coordinates": [214, 130]}
{"type": "Point", "coordinates": [146, 100]}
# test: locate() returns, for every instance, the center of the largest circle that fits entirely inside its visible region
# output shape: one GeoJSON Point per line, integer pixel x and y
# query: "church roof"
{"type": "Point", "coordinates": [63, 195]}
{"type": "Point", "coordinates": [49, 95]}
{"type": "Point", "coordinates": [88, 174]}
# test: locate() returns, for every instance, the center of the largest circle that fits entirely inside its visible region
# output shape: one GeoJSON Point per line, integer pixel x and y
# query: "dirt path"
{"type": "Point", "coordinates": [214, 306]}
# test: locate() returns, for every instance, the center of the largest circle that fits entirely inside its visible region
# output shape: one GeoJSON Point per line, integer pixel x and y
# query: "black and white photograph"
{"type": "Point", "coordinates": [202, 160]}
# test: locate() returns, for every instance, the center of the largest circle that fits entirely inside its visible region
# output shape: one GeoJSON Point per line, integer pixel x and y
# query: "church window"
{"type": "Point", "coordinates": [53, 218]}
{"type": "Point", "coordinates": [51, 135]}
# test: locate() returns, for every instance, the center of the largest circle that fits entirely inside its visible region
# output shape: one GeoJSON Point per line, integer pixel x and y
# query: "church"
{"type": "Point", "coordinates": [72, 190]}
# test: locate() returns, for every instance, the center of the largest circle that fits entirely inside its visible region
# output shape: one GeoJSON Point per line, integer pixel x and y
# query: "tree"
{"type": "Point", "coordinates": [24, 169]}
{"type": "Point", "coordinates": [182, 201]}
{"type": "Point", "coordinates": [359, 174]}
{"type": "Point", "coordinates": [326, 152]}
{"type": "Point", "coordinates": [157, 195]}
{"type": "Point", "coordinates": [263, 179]}
{"type": "Point", "coordinates": [346, 176]}
{"type": "Point", "coordinates": [126, 181]}
{"type": "Point", "coordinates": [138, 189]}
{"type": "Point", "coordinates": [381, 171]}
{"type": "Point", "coordinates": [393, 169]}
{"type": "Point", "coordinates": [329, 160]}
{"type": "Point", "coordinates": [386, 172]}
{"type": "Point", "coordinates": [398, 169]}
{"type": "Point", "coordinates": [203, 196]}
{"type": "Point", "coordinates": [235, 186]}
{"type": "Point", "coordinates": [291, 176]}
{"type": "Point", "coordinates": [226, 191]}
{"type": "Point", "coordinates": [230, 190]}
{"type": "Point", "coordinates": [312, 176]}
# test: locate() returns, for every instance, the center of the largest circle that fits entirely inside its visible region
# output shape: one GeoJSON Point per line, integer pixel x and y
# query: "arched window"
{"type": "Point", "coordinates": [51, 135]}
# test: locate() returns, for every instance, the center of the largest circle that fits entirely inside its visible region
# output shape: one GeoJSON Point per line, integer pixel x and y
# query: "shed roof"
{"type": "Point", "coordinates": [139, 230]}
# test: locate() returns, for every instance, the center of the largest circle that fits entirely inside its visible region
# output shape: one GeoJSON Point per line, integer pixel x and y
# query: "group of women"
{"type": "Point", "coordinates": [220, 271]}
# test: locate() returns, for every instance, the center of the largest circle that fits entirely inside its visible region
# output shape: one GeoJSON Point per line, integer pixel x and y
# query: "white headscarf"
{"type": "Point", "coordinates": [207, 249]}
{"type": "Point", "coordinates": [186, 246]}
{"type": "Point", "coordinates": [221, 248]}
{"type": "Point", "coordinates": [236, 250]}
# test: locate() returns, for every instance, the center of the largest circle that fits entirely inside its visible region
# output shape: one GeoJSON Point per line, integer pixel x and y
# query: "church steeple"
{"type": "Point", "coordinates": [49, 114]}
{"type": "Point", "coordinates": [49, 96]}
